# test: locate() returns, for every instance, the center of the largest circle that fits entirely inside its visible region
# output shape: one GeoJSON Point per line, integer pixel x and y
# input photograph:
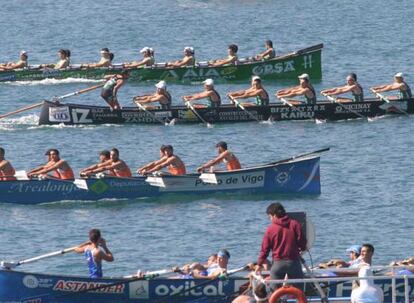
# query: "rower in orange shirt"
{"type": "Point", "coordinates": [116, 166]}
{"type": "Point", "coordinates": [173, 163]}
{"type": "Point", "coordinates": [226, 156]}
{"type": "Point", "coordinates": [59, 168]}
{"type": "Point", "coordinates": [6, 169]}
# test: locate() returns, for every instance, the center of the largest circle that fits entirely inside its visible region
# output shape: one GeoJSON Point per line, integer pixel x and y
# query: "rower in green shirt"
{"type": "Point", "coordinates": [231, 58]}
{"type": "Point", "coordinates": [255, 91]}
{"type": "Point", "coordinates": [352, 86]}
{"type": "Point", "coordinates": [148, 59]}
{"type": "Point", "coordinates": [64, 60]}
{"type": "Point", "coordinates": [209, 93]}
{"type": "Point", "coordinates": [106, 59]}
{"type": "Point", "coordinates": [188, 60]}
{"type": "Point", "coordinates": [303, 89]}
{"type": "Point", "coordinates": [399, 84]}
{"type": "Point", "coordinates": [269, 53]}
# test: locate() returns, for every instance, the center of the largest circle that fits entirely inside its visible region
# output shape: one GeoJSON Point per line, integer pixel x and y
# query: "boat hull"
{"type": "Point", "coordinates": [285, 67]}
{"type": "Point", "coordinates": [300, 176]}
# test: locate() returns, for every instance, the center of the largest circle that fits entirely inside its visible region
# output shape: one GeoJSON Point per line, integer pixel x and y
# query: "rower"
{"type": "Point", "coordinates": [22, 63]}
{"type": "Point", "coordinates": [143, 169]}
{"type": "Point", "coordinates": [104, 159]}
{"type": "Point", "coordinates": [255, 91]}
{"type": "Point", "coordinates": [174, 164]}
{"type": "Point", "coordinates": [209, 93]}
{"type": "Point", "coordinates": [106, 59]}
{"type": "Point", "coordinates": [116, 166]}
{"type": "Point", "coordinates": [399, 84]}
{"type": "Point", "coordinates": [303, 89]}
{"type": "Point", "coordinates": [352, 86]}
{"type": "Point", "coordinates": [188, 60]}
{"type": "Point", "coordinates": [95, 251]}
{"type": "Point", "coordinates": [269, 53]}
{"type": "Point", "coordinates": [59, 168]}
{"type": "Point", "coordinates": [219, 268]}
{"type": "Point", "coordinates": [161, 95]}
{"type": "Point", "coordinates": [64, 60]}
{"type": "Point", "coordinates": [230, 60]}
{"type": "Point", "coordinates": [110, 89]}
{"type": "Point", "coordinates": [148, 59]}
{"type": "Point", "coordinates": [224, 155]}
{"type": "Point", "coordinates": [7, 171]}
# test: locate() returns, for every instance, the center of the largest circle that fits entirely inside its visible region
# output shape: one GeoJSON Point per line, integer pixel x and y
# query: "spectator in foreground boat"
{"type": "Point", "coordinates": [104, 159]}
{"type": "Point", "coordinates": [399, 84]}
{"type": "Point", "coordinates": [366, 291]}
{"type": "Point", "coordinates": [106, 59]}
{"type": "Point", "coordinates": [188, 60]}
{"type": "Point", "coordinates": [116, 166]}
{"type": "Point", "coordinates": [255, 91]}
{"type": "Point", "coordinates": [354, 252]}
{"type": "Point", "coordinates": [209, 93]}
{"type": "Point", "coordinates": [365, 259]}
{"type": "Point", "coordinates": [304, 88]}
{"type": "Point", "coordinates": [161, 95]}
{"type": "Point", "coordinates": [64, 60]}
{"type": "Point", "coordinates": [269, 53]}
{"type": "Point", "coordinates": [230, 60]}
{"type": "Point", "coordinates": [148, 59]}
{"type": "Point", "coordinates": [352, 87]}
{"type": "Point", "coordinates": [224, 155]}
{"type": "Point", "coordinates": [59, 168]}
{"type": "Point", "coordinates": [95, 251]}
{"type": "Point", "coordinates": [110, 90]}
{"type": "Point", "coordinates": [174, 164]}
{"type": "Point", "coordinates": [22, 63]}
{"type": "Point", "coordinates": [6, 169]}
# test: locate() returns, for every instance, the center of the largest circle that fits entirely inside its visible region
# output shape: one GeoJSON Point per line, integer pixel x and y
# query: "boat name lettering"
{"type": "Point", "coordinates": [244, 179]}
{"type": "Point", "coordinates": [297, 114]}
{"type": "Point", "coordinates": [49, 72]}
{"type": "Point", "coordinates": [306, 108]}
{"type": "Point", "coordinates": [201, 73]}
{"type": "Point", "coordinates": [184, 290]}
{"type": "Point", "coordinates": [277, 68]}
{"type": "Point", "coordinates": [79, 115]}
{"type": "Point", "coordinates": [78, 286]}
{"type": "Point", "coordinates": [117, 183]}
{"type": "Point", "coordinates": [47, 187]}
{"type": "Point", "coordinates": [8, 77]}
{"type": "Point", "coordinates": [360, 107]}
{"type": "Point", "coordinates": [236, 115]}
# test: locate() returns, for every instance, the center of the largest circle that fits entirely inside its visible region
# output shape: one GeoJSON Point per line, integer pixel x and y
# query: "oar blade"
{"type": "Point", "coordinates": [155, 181]}
{"type": "Point", "coordinates": [209, 178]}
{"type": "Point", "coordinates": [8, 265]}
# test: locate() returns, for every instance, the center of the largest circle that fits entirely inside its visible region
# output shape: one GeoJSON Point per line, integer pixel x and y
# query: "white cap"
{"type": "Point", "coordinates": [399, 75]}
{"type": "Point", "coordinates": [151, 49]}
{"type": "Point", "coordinates": [254, 78]}
{"type": "Point", "coordinates": [189, 49]}
{"type": "Point", "coordinates": [144, 50]}
{"type": "Point", "coordinates": [209, 82]}
{"type": "Point", "coordinates": [23, 52]}
{"type": "Point", "coordinates": [161, 85]}
{"type": "Point", "coordinates": [304, 76]}
{"type": "Point", "coordinates": [104, 52]}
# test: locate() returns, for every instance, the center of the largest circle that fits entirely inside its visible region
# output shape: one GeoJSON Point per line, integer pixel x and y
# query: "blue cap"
{"type": "Point", "coordinates": [223, 253]}
{"type": "Point", "coordinates": [354, 248]}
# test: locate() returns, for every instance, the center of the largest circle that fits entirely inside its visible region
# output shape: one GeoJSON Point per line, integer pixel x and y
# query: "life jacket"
{"type": "Point", "coordinates": [66, 174]}
{"type": "Point", "coordinates": [233, 164]}
{"type": "Point", "coordinates": [177, 171]}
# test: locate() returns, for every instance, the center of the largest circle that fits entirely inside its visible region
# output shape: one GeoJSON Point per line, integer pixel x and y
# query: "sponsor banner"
{"type": "Point", "coordinates": [59, 114]}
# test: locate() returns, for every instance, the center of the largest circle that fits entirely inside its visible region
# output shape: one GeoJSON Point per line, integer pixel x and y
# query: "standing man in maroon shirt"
{"type": "Point", "coordinates": [285, 239]}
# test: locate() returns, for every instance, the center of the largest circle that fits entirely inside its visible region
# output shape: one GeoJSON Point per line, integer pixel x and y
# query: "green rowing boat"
{"type": "Point", "coordinates": [287, 66]}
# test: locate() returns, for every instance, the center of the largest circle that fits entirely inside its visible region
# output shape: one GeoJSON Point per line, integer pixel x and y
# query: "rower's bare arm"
{"type": "Point", "coordinates": [250, 94]}
{"type": "Point", "coordinates": [199, 96]}
{"type": "Point", "coordinates": [50, 168]}
{"type": "Point", "coordinates": [162, 164]}
{"type": "Point", "coordinates": [385, 88]}
{"type": "Point", "coordinates": [3, 164]}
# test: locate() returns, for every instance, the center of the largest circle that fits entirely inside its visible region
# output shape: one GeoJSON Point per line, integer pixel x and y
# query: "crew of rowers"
{"type": "Point", "coordinates": [112, 166]}
{"type": "Point", "coordinates": [147, 60]}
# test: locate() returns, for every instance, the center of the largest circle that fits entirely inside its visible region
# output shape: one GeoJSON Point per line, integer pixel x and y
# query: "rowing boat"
{"type": "Point", "coordinates": [288, 66]}
{"type": "Point", "coordinates": [300, 175]}
{"type": "Point", "coordinates": [72, 114]}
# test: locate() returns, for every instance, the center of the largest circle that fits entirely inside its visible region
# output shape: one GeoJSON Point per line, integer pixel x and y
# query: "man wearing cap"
{"type": "Point", "coordinates": [104, 159]}
{"type": "Point", "coordinates": [220, 267]}
{"type": "Point", "coordinates": [209, 93]}
{"type": "Point", "coordinates": [285, 239]}
{"type": "Point", "coordinates": [399, 84]}
{"type": "Point", "coordinates": [303, 89]}
{"type": "Point", "coordinates": [106, 59]}
{"type": "Point", "coordinates": [161, 95]}
{"type": "Point", "coordinates": [6, 169]}
{"type": "Point", "coordinates": [59, 168]}
{"type": "Point", "coordinates": [188, 60]}
{"type": "Point", "coordinates": [110, 90]}
{"type": "Point", "coordinates": [22, 63]}
{"type": "Point", "coordinates": [230, 60]}
{"type": "Point", "coordinates": [352, 87]}
{"type": "Point", "coordinates": [148, 59]}
{"type": "Point", "coordinates": [224, 155]}
{"type": "Point", "coordinates": [255, 91]}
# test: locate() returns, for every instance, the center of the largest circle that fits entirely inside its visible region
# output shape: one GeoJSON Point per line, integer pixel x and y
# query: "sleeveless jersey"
{"type": "Point", "coordinates": [262, 102]}
{"type": "Point", "coordinates": [95, 269]}
{"type": "Point", "coordinates": [177, 171]}
{"type": "Point", "coordinates": [406, 93]}
{"type": "Point", "coordinates": [233, 164]}
{"type": "Point", "coordinates": [358, 97]}
{"type": "Point", "coordinates": [313, 99]}
{"type": "Point", "coordinates": [211, 103]}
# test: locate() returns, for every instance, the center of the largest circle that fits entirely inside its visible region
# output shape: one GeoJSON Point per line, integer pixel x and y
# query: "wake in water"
{"type": "Point", "coordinates": [51, 81]}
{"type": "Point", "coordinates": [14, 123]}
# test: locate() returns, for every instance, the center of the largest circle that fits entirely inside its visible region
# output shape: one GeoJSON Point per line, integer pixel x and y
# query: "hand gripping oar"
{"type": "Point", "coordinates": [151, 114]}
{"type": "Point", "coordinates": [190, 106]}
{"type": "Point", "coordinates": [29, 107]}
{"type": "Point", "coordinates": [335, 100]}
{"type": "Point", "coordinates": [243, 108]}
{"type": "Point", "coordinates": [41, 257]}
{"type": "Point", "coordinates": [382, 97]}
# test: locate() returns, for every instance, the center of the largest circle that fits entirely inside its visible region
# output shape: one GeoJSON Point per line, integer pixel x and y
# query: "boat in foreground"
{"type": "Point", "coordinates": [289, 66]}
{"type": "Point", "coordinates": [75, 114]}
{"type": "Point", "coordinates": [300, 175]}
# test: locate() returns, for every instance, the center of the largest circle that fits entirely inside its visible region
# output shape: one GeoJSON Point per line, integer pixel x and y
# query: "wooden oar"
{"type": "Point", "coordinates": [382, 97]}
{"type": "Point", "coordinates": [243, 108]}
{"type": "Point", "coordinates": [335, 100]}
{"type": "Point", "coordinates": [151, 114]}
{"type": "Point", "coordinates": [190, 106]}
{"type": "Point", "coordinates": [11, 265]}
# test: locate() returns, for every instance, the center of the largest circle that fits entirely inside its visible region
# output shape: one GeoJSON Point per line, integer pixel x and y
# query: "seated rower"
{"type": "Point", "coordinates": [399, 84]}
{"type": "Point", "coordinates": [113, 83]}
{"type": "Point", "coordinates": [161, 95]}
{"type": "Point", "coordinates": [95, 251]}
{"type": "Point", "coordinates": [7, 171]}
{"type": "Point", "coordinates": [174, 164]}
{"type": "Point", "coordinates": [209, 93]}
{"type": "Point", "coordinates": [64, 60]}
{"type": "Point", "coordinates": [354, 252]}
{"type": "Point", "coordinates": [230, 60]}
{"type": "Point", "coordinates": [115, 166]}
{"type": "Point", "coordinates": [224, 155]}
{"type": "Point", "coordinates": [188, 60]}
{"type": "Point", "coordinates": [106, 59]}
{"type": "Point", "coordinates": [59, 168]}
{"type": "Point", "coordinates": [303, 89]}
{"type": "Point", "coordinates": [255, 91]}
{"type": "Point", "coordinates": [148, 59]}
{"type": "Point", "coordinates": [143, 170]}
{"type": "Point", "coordinates": [352, 86]}
{"type": "Point", "coordinates": [269, 53]}
{"type": "Point", "coordinates": [104, 159]}
{"type": "Point", "coordinates": [219, 268]}
{"type": "Point", "coordinates": [22, 63]}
